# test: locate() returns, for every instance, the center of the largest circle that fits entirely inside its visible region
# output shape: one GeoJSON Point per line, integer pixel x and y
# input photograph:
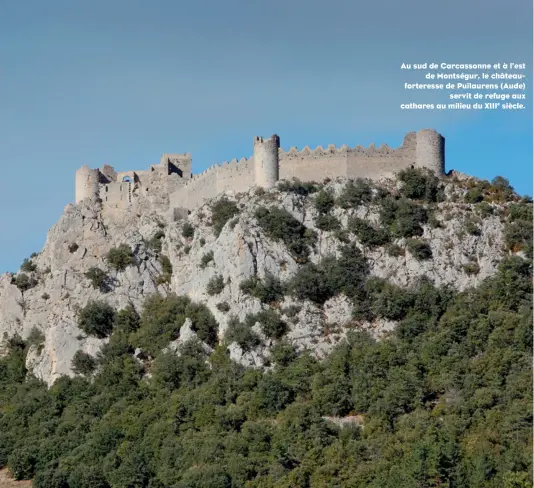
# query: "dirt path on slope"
{"type": "Point", "coordinates": [6, 481]}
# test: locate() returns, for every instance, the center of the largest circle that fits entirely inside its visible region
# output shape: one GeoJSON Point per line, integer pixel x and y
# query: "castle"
{"type": "Point", "coordinates": [171, 182]}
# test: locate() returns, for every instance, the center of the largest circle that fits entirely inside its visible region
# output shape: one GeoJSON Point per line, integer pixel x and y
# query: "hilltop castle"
{"type": "Point", "coordinates": [171, 182]}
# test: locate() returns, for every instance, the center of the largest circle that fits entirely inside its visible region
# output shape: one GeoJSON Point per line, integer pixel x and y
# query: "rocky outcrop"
{"type": "Point", "coordinates": [83, 236]}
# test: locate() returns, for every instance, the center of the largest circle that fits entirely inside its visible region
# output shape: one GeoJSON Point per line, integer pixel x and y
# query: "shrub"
{"type": "Point", "coordinates": [472, 228]}
{"type": "Point", "coordinates": [97, 277]}
{"type": "Point", "coordinates": [203, 322]}
{"type": "Point", "coordinates": [327, 222]}
{"type": "Point", "coordinates": [188, 230]}
{"type": "Point", "coordinates": [155, 242]}
{"type": "Point", "coordinates": [419, 184]}
{"type": "Point", "coordinates": [402, 217]}
{"type": "Point", "coordinates": [355, 193]}
{"type": "Point", "coordinates": [310, 283]}
{"type": "Point", "coordinates": [319, 283]}
{"type": "Point", "coordinates": [171, 371]}
{"type": "Point", "coordinates": [163, 317]}
{"type": "Point", "coordinates": [419, 249]}
{"type": "Point", "coordinates": [22, 463]}
{"type": "Point", "coordinates": [394, 250]}
{"type": "Point", "coordinates": [484, 209]}
{"type": "Point", "coordinates": [342, 235]}
{"type": "Point", "coordinates": [202, 242]}
{"type": "Point", "coordinates": [166, 265]}
{"type": "Point", "coordinates": [324, 202]}
{"type": "Point", "coordinates": [518, 236]}
{"type": "Point", "coordinates": [223, 307]}
{"type": "Point", "coordinates": [96, 319]}
{"type": "Point", "coordinates": [267, 291]}
{"type": "Point", "coordinates": [221, 212]}
{"type": "Point", "coordinates": [127, 319]}
{"type": "Point", "coordinates": [284, 353]}
{"type": "Point", "coordinates": [120, 257]}
{"type": "Point", "coordinates": [24, 282]}
{"type": "Point", "coordinates": [520, 211]}
{"type": "Point", "coordinates": [36, 337]}
{"type": "Point", "coordinates": [215, 285]}
{"type": "Point", "coordinates": [206, 259]}
{"type": "Point", "coordinates": [279, 224]}
{"type": "Point", "coordinates": [73, 247]}
{"type": "Point", "coordinates": [348, 273]}
{"type": "Point", "coordinates": [471, 268]}
{"type": "Point", "coordinates": [162, 279]}
{"type": "Point", "coordinates": [187, 249]}
{"type": "Point", "coordinates": [474, 195]}
{"type": "Point", "coordinates": [242, 334]}
{"type": "Point", "coordinates": [367, 234]}
{"type": "Point", "coordinates": [291, 311]}
{"type": "Point", "coordinates": [388, 301]}
{"type": "Point", "coordinates": [45, 296]}
{"type": "Point", "coordinates": [434, 222]}
{"type": "Point", "coordinates": [83, 363]}
{"type": "Point", "coordinates": [500, 190]}
{"type": "Point", "coordinates": [297, 187]}
{"type": "Point", "coordinates": [28, 266]}
{"type": "Point", "coordinates": [248, 285]}
{"type": "Point", "coordinates": [271, 323]}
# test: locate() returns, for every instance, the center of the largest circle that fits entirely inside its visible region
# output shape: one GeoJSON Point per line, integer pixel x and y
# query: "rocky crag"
{"type": "Point", "coordinates": [452, 231]}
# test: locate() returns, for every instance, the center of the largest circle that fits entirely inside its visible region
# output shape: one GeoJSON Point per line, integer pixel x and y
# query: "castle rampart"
{"type": "Point", "coordinates": [171, 182]}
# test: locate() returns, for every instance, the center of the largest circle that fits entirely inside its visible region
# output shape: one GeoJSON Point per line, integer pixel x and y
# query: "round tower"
{"type": "Point", "coordinates": [266, 165]}
{"type": "Point", "coordinates": [87, 183]}
{"type": "Point", "coordinates": [430, 151]}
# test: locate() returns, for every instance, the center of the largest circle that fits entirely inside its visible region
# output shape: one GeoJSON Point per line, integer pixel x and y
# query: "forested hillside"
{"type": "Point", "coordinates": [442, 398]}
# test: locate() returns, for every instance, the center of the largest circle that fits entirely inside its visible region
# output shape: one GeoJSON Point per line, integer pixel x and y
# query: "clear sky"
{"type": "Point", "coordinates": [121, 82]}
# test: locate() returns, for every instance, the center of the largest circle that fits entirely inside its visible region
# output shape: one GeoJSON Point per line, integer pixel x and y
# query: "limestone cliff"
{"type": "Point", "coordinates": [83, 236]}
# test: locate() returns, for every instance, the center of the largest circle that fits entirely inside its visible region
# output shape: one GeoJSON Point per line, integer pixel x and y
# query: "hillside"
{"type": "Point", "coordinates": [343, 333]}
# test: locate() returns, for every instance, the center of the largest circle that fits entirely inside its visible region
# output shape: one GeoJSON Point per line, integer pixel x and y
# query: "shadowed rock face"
{"type": "Point", "coordinates": [242, 250]}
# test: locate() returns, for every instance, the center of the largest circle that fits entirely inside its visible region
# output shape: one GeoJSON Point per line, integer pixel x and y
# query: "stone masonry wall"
{"type": "Point", "coordinates": [425, 148]}
{"type": "Point", "coordinates": [236, 176]}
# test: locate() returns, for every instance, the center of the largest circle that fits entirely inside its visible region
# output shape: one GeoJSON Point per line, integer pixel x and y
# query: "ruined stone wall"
{"type": "Point", "coordinates": [117, 194]}
{"type": "Point", "coordinates": [236, 176]}
{"type": "Point", "coordinates": [171, 183]}
{"type": "Point", "coordinates": [194, 191]}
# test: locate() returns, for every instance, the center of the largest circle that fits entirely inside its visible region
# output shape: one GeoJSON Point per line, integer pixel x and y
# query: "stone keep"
{"type": "Point", "coordinates": [171, 184]}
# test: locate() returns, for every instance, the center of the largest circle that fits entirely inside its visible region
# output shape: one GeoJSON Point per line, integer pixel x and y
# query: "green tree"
{"type": "Point", "coordinates": [120, 257]}
{"type": "Point", "coordinates": [97, 319]}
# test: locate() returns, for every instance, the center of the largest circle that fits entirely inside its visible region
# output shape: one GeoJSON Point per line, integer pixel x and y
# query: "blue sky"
{"type": "Point", "coordinates": [121, 82]}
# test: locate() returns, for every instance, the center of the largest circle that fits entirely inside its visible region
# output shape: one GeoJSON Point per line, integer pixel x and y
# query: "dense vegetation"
{"type": "Point", "coordinates": [280, 225]}
{"type": "Point", "coordinates": [445, 401]}
{"type": "Point", "coordinates": [221, 212]}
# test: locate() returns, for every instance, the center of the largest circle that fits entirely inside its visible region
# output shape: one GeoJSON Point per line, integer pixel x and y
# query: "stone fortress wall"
{"type": "Point", "coordinates": [172, 184]}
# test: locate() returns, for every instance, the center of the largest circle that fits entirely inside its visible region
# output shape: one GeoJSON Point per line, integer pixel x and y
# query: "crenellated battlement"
{"type": "Point", "coordinates": [171, 181]}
